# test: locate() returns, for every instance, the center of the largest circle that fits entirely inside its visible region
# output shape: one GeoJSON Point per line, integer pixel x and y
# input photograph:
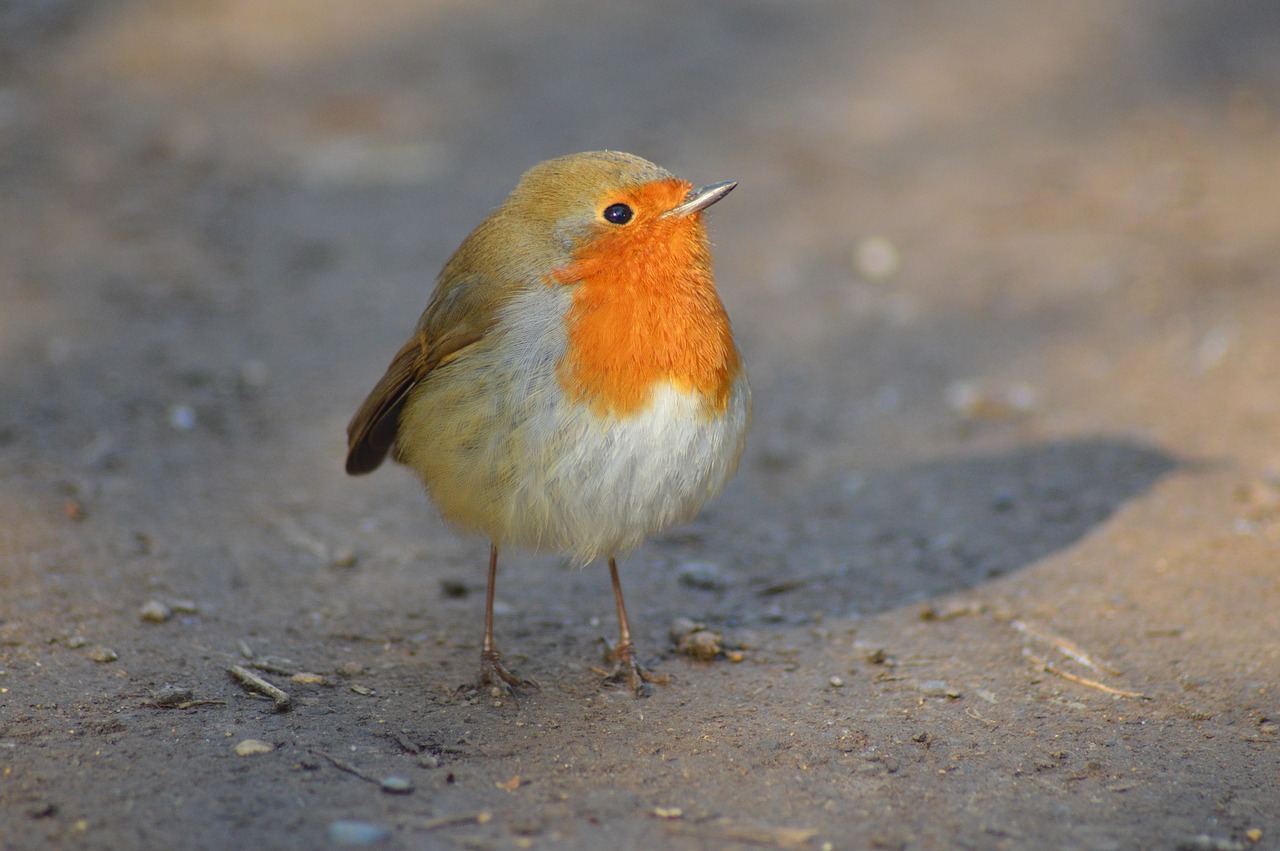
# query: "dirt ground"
{"type": "Point", "coordinates": [1001, 568]}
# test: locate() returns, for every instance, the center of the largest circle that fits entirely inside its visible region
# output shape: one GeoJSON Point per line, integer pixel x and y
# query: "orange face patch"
{"type": "Point", "coordinates": [645, 309]}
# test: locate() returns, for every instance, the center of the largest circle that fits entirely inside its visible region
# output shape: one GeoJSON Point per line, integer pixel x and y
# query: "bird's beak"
{"type": "Point", "coordinates": [700, 199]}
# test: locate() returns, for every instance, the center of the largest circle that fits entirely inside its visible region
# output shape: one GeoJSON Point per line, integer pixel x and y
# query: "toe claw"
{"type": "Point", "coordinates": [626, 669]}
{"type": "Point", "coordinates": [494, 673]}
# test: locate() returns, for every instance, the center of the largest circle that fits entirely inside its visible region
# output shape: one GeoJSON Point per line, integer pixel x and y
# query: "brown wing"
{"type": "Point", "coordinates": [461, 312]}
{"type": "Point", "coordinates": [372, 431]}
{"type": "Point", "coordinates": [478, 280]}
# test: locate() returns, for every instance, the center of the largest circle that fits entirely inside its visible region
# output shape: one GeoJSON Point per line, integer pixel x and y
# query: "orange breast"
{"type": "Point", "coordinates": [645, 311]}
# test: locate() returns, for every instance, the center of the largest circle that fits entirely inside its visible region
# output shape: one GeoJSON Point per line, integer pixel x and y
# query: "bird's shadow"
{"type": "Point", "coordinates": [867, 542]}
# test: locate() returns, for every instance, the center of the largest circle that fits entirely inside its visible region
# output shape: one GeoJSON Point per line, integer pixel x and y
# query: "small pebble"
{"type": "Point", "coordinates": [103, 654]}
{"type": "Point", "coordinates": [396, 785]}
{"type": "Point", "coordinates": [171, 696]}
{"type": "Point", "coordinates": [972, 401]}
{"type": "Point", "coordinates": [362, 690]}
{"type": "Point", "coordinates": [429, 761]}
{"type": "Point", "coordinates": [356, 833]}
{"type": "Point", "coordinates": [454, 589]}
{"type": "Point", "coordinates": [680, 627]}
{"type": "Point", "coordinates": [703, 575]}
{"type": "Point", "coordinates": [876, 258]}
{"type": "Point", "coordinates": [253, 747]}
{"type": "Point", "coordinates": [836, 682]}
{"type": "Point", "coordinates": [349, 669]}
{"type": "Point", "coordinates": [275, 665]}
{"type": "Point", "coordinates": [704, 645]}
{"type": "Point", "coordinates": [182, 417]}
{"type": "Point", "coordinates": [154, 611]}
{"type": "Point", "coordinates": [307, 678]}
{"type": "Point", "coordinates": [939, 688]}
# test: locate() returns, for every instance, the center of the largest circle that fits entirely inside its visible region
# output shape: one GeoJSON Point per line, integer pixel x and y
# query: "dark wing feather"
{"type": "Point", "coordinates": [372, 431]}
{"type": "Point", "coordinates": [462, 311]}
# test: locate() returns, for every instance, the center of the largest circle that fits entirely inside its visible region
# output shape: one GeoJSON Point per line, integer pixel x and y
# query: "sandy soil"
{"type": "Point", "coordinates": [1001, 568]}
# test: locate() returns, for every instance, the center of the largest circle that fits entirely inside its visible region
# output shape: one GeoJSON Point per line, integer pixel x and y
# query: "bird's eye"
{"type": "Point", "coordinates": [618, 214]}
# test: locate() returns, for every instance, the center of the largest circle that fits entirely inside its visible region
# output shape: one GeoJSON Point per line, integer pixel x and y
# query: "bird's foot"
{"type": "Point", "coordinates": [625, 668]}
{"type": "Point", "coordinates": [494, 673]}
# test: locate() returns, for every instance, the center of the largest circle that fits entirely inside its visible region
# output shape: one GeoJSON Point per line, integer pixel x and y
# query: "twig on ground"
{"type": "Point", "coordinates": [482, 817]}
{"type": "Point", "coordinates": [343, 765]}
{"type": "Point", "coordinates": [775, 837]}
{"type": "Point", "coordinates": [1049, 667]}
{"type": "Point", "coordinates": [1065, 645]}
{"type": "Point", "coordinates": [254, 683]}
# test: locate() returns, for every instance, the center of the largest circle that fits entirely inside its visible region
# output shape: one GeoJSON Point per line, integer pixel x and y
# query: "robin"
{"type": "Point", "coordinates": [573, 384]}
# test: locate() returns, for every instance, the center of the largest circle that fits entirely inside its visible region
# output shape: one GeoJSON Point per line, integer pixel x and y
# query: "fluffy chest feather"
{"type": "Point", "coordinates": [512, 455]}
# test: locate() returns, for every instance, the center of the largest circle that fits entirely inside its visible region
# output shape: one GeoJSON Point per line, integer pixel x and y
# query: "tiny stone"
{"type": "Point", "coordinates": [703, 575]}
{"type": "Point", "coordinates": [701, 644]}
{"type": "Point", "coordinates": [154, 611]}
{"type": "Point", "coordinates": [75, 642]}
{"type": "Point", "coordinates": [171, 696]}
{"type": "Point", "coordinates": [680, 627]}
{"type": "Point", "coordinates": [876, 258]}
{"type": "Point", "coordinates": [362, 690]}
{"type": "Point", "coordinates": [495, 692]}
{"type": "Point", "coordinates": [429, 761]}
{"type": "Point", "coordinates": [253, 747]}
{"type": "Point", "coordinates": [346, 832]}
{"type": "Point", "coordinates": [275, 665]}
{"type": "Point", "coordinates": [836, 682]}
{"type": "Point", "coordinates": [453, 589]}
{"type": "Point", "coordinates": [307, 678]}
{"type": "Point", "coordinates": [934, 688]}
{"type": "Point", "coordinates": [184, 607]}
{"type": "Point", "coordinates": [396, 785]}
{"type": "Point", "coordinates": [75, 510]}
{"type": "Point", "coordinates": [182, 417]}
{"type": "Point", "coordinates": [103, 654]}
{"type": "Point", "coordinates": [42, 809]}
{"type": "Point", "coordinates": [349, 669]}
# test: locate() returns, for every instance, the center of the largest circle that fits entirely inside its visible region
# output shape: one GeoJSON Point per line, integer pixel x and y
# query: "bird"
{"type": "Point", "coordinates": [574, 385]}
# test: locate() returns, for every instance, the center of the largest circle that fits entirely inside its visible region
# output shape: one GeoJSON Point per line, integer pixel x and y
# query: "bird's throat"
{"type": "Point", "coordinates": [645, 313]}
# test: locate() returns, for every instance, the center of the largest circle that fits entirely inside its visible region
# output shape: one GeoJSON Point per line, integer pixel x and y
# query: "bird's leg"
{"type": "Point", "coordinates": [492, 671]}
{"type": "Point", "coordinates": [625, 666]}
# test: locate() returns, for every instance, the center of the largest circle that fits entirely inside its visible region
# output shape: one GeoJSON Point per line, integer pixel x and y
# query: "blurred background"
{"type": "Point", "coordinates": [1005, 276]}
